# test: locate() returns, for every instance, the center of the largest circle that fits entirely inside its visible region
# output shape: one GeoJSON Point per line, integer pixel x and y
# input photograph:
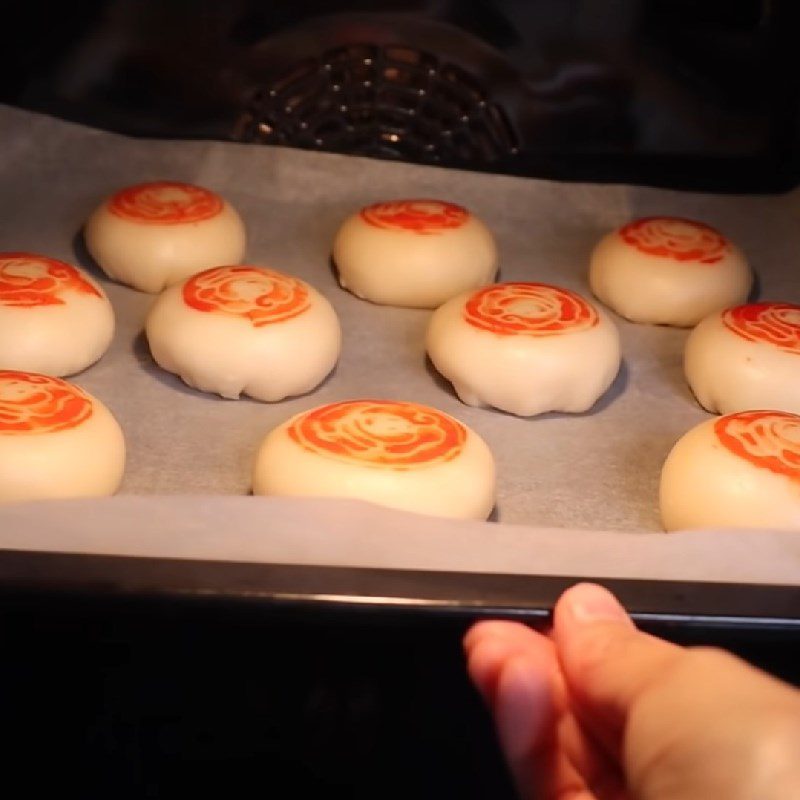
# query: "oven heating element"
{"type": "Point", "coordinates": [390, 102]}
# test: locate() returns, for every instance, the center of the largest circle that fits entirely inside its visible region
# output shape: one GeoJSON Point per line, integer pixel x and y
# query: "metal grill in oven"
{"type": "Point", "coordinates": [391, 102]}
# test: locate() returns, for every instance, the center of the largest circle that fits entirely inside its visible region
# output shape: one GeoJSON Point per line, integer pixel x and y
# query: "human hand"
{"type": "Point", "coordinates": [596, 710]}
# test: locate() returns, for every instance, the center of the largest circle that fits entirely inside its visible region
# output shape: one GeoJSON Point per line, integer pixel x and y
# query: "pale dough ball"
{"type": "Point", "coordinates": [251, 330]}
{"type": "Point", "coordinates": [56, 440]}
{"type": "Point", "coordinates": [746, 357]}
{"type": "Point", "coordinates": [526, 348]}
{"type": "Point", "coordinates": [416, 253]}
{"type": "Point", "coordinates": [54, 318]}
{"type": "Point", "coordinates": [154, 235]}
{"type": "Point", "coordinates": [736, 471]}
{"type": "Point", "coordinates": [668, 271]}
{"type": "Point", "coordinates": [396, 454]}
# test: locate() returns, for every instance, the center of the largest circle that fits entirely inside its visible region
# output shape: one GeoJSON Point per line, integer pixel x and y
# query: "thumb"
{"type": "Point", "coordinates": [607, 663]}
{"type": "Point", "coordinates": [688, 723]}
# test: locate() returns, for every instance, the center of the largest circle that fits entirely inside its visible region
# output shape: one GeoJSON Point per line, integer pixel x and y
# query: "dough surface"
{"type": "Point", "coordinates": [245, 330]}
{"type": "Point", "coordinates": [737, 471]}
{"type": "Point", "coordinates": [668, 271]}
{"type": "Point", "coordinates": [525, 348]}
{"type": "Point", "coordinates": [397, 454]}
{"type": "Point", "coordinates": [414, 253]}
{"type": "Point", "coordinates": [154, 235]}
{"type": "Point", "coordinates": [54, 318]}
{"type": "Point", "coordinates": [746, 357]}
{"type": "Point", "coordinates": [56, 440]}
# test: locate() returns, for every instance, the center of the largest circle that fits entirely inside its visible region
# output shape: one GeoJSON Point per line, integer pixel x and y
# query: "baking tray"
{"type": "Point", "coordinates": [577, 494]}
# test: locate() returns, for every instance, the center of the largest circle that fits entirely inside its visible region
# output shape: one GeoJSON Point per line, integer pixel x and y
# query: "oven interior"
{"type": "Point", "coordinates": [159, 695]}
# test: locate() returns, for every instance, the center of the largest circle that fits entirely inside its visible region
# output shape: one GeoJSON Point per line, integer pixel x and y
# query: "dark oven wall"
{"type": "Point", "coordinates": [685, 93]}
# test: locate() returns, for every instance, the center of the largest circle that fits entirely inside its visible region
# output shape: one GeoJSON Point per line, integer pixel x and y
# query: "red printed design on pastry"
{"type": "Point", "coordinates": [28, 280]}
{"type": "Point", "coordinates": [380, 433]}
{"type": "Point", "coordinates": [772, 323]}
{"type": "Point", "coordinates": [768, 439]}
{"type": "Point", "coordinates": [31, 403]}
{"type": "Point", "coordinates": [424, 217]}
{"type": "Point", "coordinates": [529, 309]}
{"type": "Point", "coordinates": [165, 203]}
{"type": "Point", "coordinates": [263, 296]}
{"type": "Point", "coordinates": [679, 239]}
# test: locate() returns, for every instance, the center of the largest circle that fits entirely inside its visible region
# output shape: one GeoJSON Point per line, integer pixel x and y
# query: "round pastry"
{"type": "Point", "coordinates": [54, 318]}
{"type": "Point", "coordinates": [416, 253]}
{"type": "Point", "coordinates": [402, 455]}
{"type": "Point", "coordinates": [746, 357]}
{"type": "Point", "coordinates": [154, 235]}
{"type": "Point", "coordinates": [668, 271]}
{"type": "Point", "coordinates": [526, 348]}
{"type": "Point", "coordinates": [234, 330]}
{"type": "Point", "coordinates": [56, 440]}
{"type": "Point", "coordinates": [738, 471]}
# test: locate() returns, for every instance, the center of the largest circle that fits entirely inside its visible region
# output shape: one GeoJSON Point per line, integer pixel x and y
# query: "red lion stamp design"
{"type": "Point", "coordinates": [773, 323]}
{"type": "Point", "coordinates": [424, 217]}
{"type": "Point", "coordinates": [380, 433]}
{"type": "Point", "coordinates": [529, 309]}
{"type": "Point", "coordinates": [31, 404]}
{"type": "Point", "coordinates": [28, 280]}
{"type": "Point", "coordinates": [165, 203]}
{"type": "Point", "coordinates": [676, 238]}
{"type": "Point", "coordinates": [767, 439]}
{"type": "Point", "coordinates": [263, 296]}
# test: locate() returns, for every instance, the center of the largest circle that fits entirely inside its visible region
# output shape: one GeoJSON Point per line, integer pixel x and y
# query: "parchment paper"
{"type": "Point", "coordinates": [577, 494]}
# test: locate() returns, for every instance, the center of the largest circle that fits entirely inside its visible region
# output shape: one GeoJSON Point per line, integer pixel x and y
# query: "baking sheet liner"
{"type": "Point", "coordinates": [577, 494]}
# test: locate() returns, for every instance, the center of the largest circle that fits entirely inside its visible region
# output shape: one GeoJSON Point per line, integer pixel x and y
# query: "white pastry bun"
{"type": "Point", "coordinates": [397, 454]}
{"type": "Point", "coordinates": [245, 330]}
{"type": "Point", "coordinates": [525, 348]}
{"type": "Point", "coordinates": [56, 440]}
{"type": "Point", "coordinates": [54, 318]}
{"type": "Point", "coordinates": [414, 253]}
{"type": "Point", "coordinates": [154, 235]}
{"type": "Point", "coordinates": [668, 271]}
{"type": "Point", "coordinates": [737, 471]}
{"type": "Point", "coordinates": [746, 357]}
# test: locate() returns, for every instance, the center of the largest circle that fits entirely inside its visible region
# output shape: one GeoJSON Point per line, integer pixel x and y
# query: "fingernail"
{"type": "Point", "coordinates": [588, 602]}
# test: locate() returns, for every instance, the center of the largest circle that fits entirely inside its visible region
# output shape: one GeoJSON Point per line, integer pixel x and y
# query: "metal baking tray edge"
{"type": "Point", "coordinates": [706, 605]}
